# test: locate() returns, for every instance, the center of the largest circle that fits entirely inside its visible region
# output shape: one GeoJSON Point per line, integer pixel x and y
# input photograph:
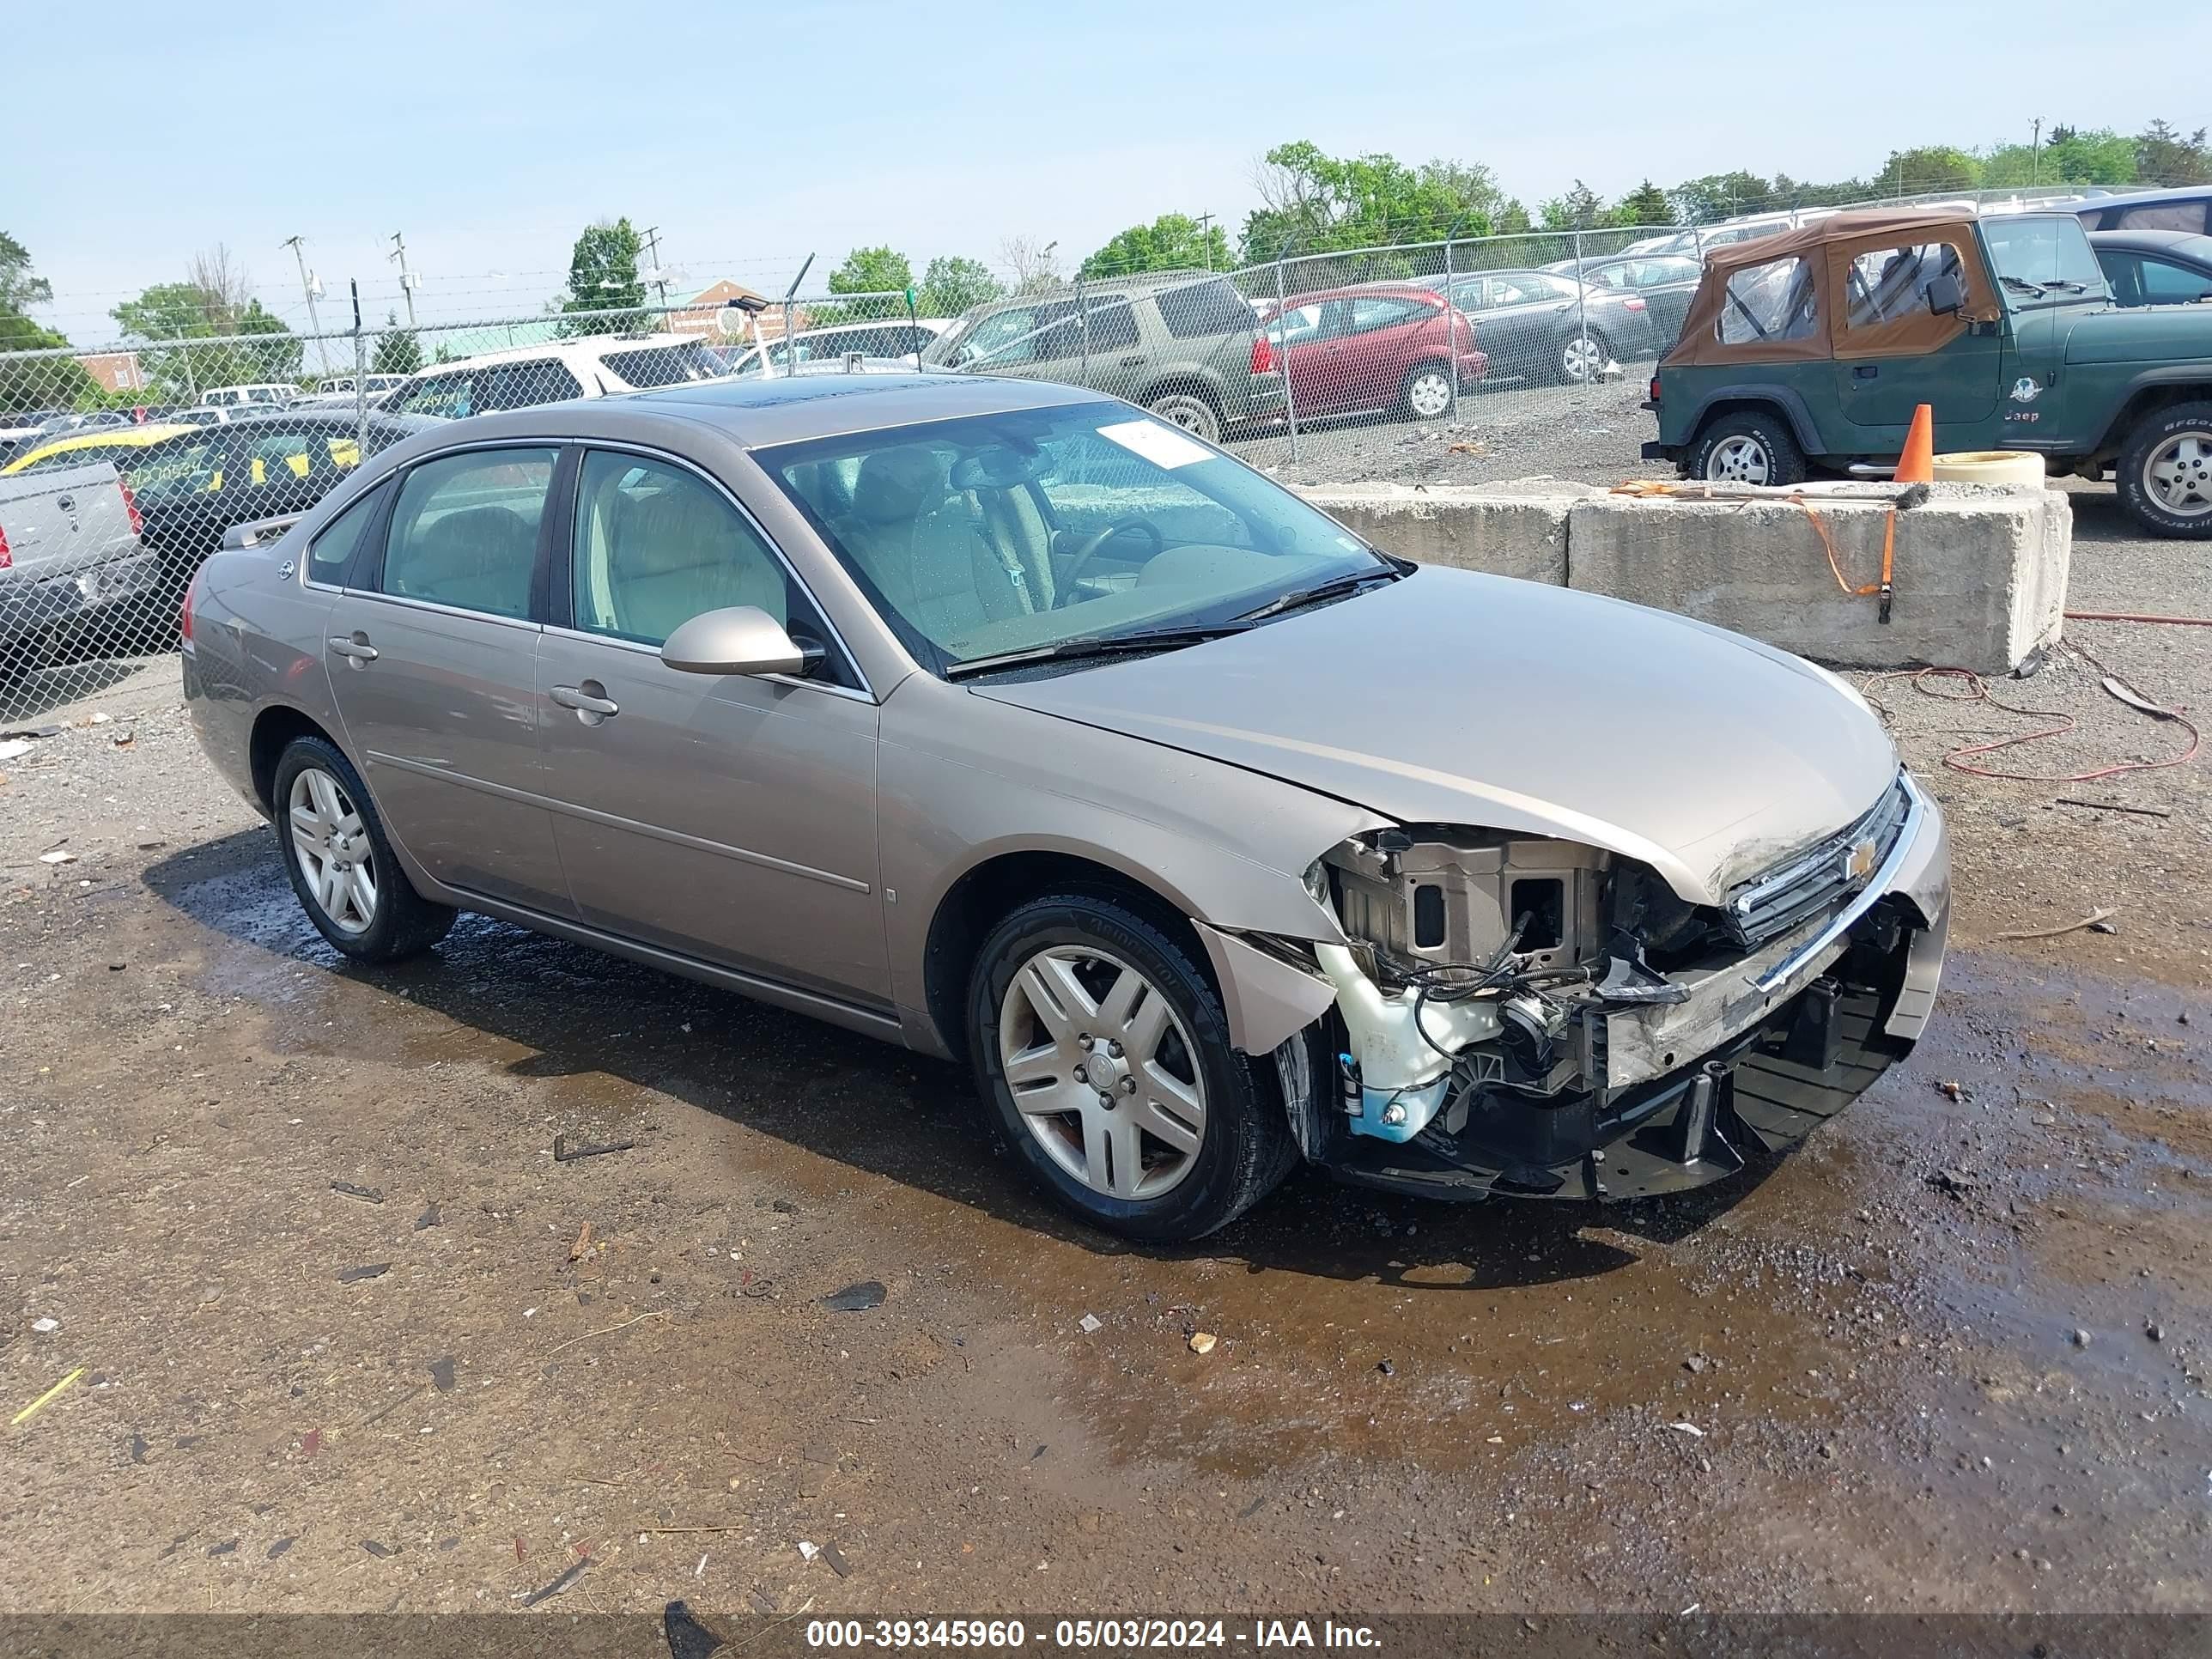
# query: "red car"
{"type": "Point", "coordinates": [1379, 346]}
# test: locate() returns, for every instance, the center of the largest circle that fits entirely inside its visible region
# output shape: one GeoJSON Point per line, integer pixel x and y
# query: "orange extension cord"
{"type": "Point", "coordinates": [1925, 680]}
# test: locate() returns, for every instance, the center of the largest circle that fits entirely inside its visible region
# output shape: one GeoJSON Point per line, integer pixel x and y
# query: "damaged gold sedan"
{"type": "Point", "coordinates": [1022, 728]}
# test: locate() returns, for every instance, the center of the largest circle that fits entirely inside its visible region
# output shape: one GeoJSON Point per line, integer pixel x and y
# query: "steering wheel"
{"type": "Point", "coordinates": [1091, 545]}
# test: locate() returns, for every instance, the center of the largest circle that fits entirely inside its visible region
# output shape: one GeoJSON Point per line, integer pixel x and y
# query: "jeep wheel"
{"type": "Point", "coordinates": [1189, 411]}
{"type": "Point", "coordinates": [2166, 472]}
{"type": "Point", "coordinates": [1754, 447]}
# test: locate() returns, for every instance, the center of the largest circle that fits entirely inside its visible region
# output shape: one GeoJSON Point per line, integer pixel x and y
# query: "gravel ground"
{"type": "Point", "coordinates": [1949, 1356]}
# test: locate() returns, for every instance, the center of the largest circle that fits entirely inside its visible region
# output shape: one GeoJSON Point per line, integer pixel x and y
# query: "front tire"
{"type": "Point", "coordinates": [1189, 411]}
{"type": "Point", "coordinates": [341, 862]}
{"type": "Point", "coordinates": [1102, 1054]}
{"type": "Point", "coordinates": [1752, 446]}
{"type": "Point", "coordinates": [1427, 392]}
{"type": "Point", "coordinates": [2165, 473]}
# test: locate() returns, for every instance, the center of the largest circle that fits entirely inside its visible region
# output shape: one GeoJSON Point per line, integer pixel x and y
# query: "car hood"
{"type": "Point", "coordinates": [1450, 697]}
{"type": "Point", "coordinates": [2138, 334]}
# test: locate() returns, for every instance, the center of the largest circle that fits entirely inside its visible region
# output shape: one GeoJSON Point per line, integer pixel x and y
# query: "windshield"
{"type": "Point", "coordinates": [2042, 258]}
{"type": "Point", "coordinates": [1042, 527]}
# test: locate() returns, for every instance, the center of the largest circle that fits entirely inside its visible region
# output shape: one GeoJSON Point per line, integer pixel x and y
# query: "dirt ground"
{"type": "Point", "coordinates": [345, 1334]}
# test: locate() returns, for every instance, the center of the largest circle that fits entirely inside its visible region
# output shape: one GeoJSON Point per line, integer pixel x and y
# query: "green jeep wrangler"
{"type": "Point", "coordinates": [1808, 351]}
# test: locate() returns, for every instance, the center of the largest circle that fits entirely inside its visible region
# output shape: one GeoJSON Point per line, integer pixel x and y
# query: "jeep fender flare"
{"type": "Point", "coordinates": [1782, 398]}
{"type": "Point", "coordinates": [2133, 404]}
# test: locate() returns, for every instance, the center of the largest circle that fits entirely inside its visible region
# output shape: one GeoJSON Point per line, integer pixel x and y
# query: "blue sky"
{"type": "Point", "coordinates": [490, 133]}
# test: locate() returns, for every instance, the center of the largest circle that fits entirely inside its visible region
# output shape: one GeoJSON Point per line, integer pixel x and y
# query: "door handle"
{"type": "Point", "coordinates": [589, 700]}
{"type": "Point", "coordinates": [1137, 362]}
{"type": "Point", "coordinates": [67, 504]}
{"type": "Point", "coordinates": [354, 648]}
{"type": "Point", "coordinates": [1865, 371]}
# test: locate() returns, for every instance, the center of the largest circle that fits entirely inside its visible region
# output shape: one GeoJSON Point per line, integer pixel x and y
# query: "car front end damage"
{"type": "Point", "coordinates": [1522, 1016]}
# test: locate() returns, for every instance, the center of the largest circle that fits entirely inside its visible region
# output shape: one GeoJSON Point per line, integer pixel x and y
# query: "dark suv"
{"type": "Point", "coordinates": [1184, 344]}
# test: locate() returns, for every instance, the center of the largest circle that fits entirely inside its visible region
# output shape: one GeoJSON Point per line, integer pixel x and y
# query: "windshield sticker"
{"type": "Point", "coordinates": [1163, 446]}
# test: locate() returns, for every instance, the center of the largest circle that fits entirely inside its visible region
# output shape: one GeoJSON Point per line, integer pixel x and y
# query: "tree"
{"type": "Point", "coordinates": [215, 304]}
{"type": "Point", "coordinates": [2164, 157]}
{"type": "Point", "coordinates": [397, 351]}
{"type": "Point", "coordinates": [1718, 196]}
{"type": "Point", "coordinates": [1035, 269]}
{"type": "Point", "coordinates": [1174, 241]}
{"type": "Point", "coordinates": [872, 270]}
{"type": "Point", "coordinates": [1580, 209]}
{"type": "Point", "coordinates": [2070, 157]}
{"type": "Point", "coordinates": [951, 284]}
{"type": "Point", "coordinates": [1930, 169]}
{"type": "Point", "coordinates": [36, 382]}
{"type": "Point", "coordinates": [603, 277]}
{"type": "Point", "coordinates": [1647, 204]}
{"type": "Point", "coordinates": [1311, 201]}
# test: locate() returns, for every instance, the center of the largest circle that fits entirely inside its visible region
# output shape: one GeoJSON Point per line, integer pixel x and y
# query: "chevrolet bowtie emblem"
{"type": "Point", "coordinates": [1859, 860]}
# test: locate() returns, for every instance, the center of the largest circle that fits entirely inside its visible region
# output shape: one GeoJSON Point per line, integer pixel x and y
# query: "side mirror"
{"type": "Point", "coordinates": [1945, 294]}
{"type": "Point", "coordinates": [739, 639]}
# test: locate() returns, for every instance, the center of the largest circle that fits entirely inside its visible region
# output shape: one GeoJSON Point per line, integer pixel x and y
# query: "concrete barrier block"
{"type": "Point", "coordinates": [1979, 574]}
{"type": "Point", "coordinates": [1492, 529]}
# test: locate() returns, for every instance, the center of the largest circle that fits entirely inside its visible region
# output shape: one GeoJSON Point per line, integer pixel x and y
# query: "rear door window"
{"type": "Point", "coordinates": [1112, 323]}
{"type": "Point", "coordinates": [1373, 312]}
{"type": "Point", "coordinates": [527, 385]}
{"type": "Point", "coordinates": [1204, 308]}
{"type": "Point", "coordinates": [331, 554]}
{"type": "Point", "coordinates": [2170, 216]}
{"type": "Point", "coordinates": [465, 530]}
{"type": "Point", "coordinates": [451, 397]}
{"type": "Point", "coordinates": [1771, 302]}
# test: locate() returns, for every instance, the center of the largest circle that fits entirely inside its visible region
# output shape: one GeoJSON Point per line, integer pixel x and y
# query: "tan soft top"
{"type": "Point", "coordinates": [1828, 247]}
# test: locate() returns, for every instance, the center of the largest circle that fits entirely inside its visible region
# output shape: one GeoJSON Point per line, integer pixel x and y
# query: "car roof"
{"type": "Point", "coordinates": [1351, 290]}
{"type": "Point", "coordinates": [2192, 243]}
{"type": "Point", "coordinates": [2134, 198]}
{"type": "Point", "coordinates": [760, 413]}
{"type": "Point", "coordinates": [589, 346]}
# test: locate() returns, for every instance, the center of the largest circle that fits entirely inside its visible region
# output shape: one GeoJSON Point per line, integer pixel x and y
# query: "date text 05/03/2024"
{"type": "Point", "coordinates": [1112, 1634]}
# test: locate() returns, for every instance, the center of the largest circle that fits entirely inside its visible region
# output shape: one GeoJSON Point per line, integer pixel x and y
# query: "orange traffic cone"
{"type": "Point", "coordinates": [1918, 464]}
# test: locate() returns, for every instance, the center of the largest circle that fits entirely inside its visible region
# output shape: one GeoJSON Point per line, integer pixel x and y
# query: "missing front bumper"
{"type": "Point", "coordinates": [1760, 1094]}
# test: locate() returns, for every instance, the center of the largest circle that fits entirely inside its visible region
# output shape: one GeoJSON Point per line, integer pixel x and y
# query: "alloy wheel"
{"type": "Point", "coordinates": [2177, 475]}
{"type": "Point", "coordinates": [1429, 394]}
{"type": "Point", "coordinates": [1102, 1072]}
{"type": "Point", "coordinates": [336, 857]}
{"type": "Point", "coordinates": [1741, 459]}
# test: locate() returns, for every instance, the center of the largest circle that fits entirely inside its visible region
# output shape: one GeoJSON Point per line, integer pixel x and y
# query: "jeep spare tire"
{"type": "Point", "coordinates": [1751, 447]}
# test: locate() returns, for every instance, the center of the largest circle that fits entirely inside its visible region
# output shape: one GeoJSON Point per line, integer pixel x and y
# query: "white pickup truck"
{"type": "Point", "coordinates": [72, 567]}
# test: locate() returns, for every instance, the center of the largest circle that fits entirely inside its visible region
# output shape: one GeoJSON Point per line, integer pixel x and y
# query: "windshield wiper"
{"type": "Point", "coordinates": [1106, 645]}
{"type": "Point", "coordinates": [2021, 283]}
{"type": "Point", "coordinates": [1351, 583]}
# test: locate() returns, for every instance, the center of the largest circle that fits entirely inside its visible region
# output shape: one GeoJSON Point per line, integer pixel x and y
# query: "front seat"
{"type": "Point", "coordinates": [675, 553]}
{"type": "Point", "coordinates": [922, 549]}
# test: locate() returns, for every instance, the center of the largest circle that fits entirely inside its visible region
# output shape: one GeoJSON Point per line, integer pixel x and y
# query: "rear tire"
{"type": "Point", "coordinates": [1427, 392]}
{"type": "Point", "coordinates": [1582, 358]}
{"type": "Point", "coordinates": [341, 861]}
{"type": "Point", "coordinates": [1753, 446]}
{"type": "Point", "coordinates": [1189, 411]}
{"type": "Point", "coordinates": [2165, 472]}
{"type": "Point", "coordinates": [1132, 1111]}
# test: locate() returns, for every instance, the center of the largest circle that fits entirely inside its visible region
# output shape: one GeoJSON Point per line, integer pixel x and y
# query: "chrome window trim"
{"type": "Point", "coordinates": [435, 609]}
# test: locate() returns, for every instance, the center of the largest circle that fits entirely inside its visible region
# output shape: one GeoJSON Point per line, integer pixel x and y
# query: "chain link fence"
{"type": "Point", "coordinates": [121, 467]}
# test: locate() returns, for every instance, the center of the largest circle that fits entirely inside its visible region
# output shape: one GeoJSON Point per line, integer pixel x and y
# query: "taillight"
{"type": "Point", "coordinates": [131, 506]}
{"type": "Point", "coordinates": [1632, 303]}
{"type": "Point", "coordinates": [185, 612]}
{"type": "Point", "coordinates": [1655, 388]}
{"type": "Point", "coordinates": [6, 558]}
{"type": "Point", "coordinates": [1263, 354]}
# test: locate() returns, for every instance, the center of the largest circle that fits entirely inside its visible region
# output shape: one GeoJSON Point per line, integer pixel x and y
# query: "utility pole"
{"type": "Point", "coordinates": [1205, 237]}
{"type": "Point", "coordinates": [406, 277]}
{"type": "Point", "coordinates": [653, 253]}
{"type": "Point", "coordinates": [308, 286]}
{"type": "Point", "coordinates": [2035, 155]}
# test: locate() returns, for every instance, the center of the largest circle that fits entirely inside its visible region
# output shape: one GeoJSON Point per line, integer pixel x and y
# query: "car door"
{"type": "Point", "coordinates": [730, 819]}
{"type": "Point", "coordinates": [1893, 354]}
{"type": "Point", "coordinates": [432, 648]}
{"type": "Point", "coordinates": [1523, 320]}
{"type": "Point", "coordinates": [1382, 338]}
{"type": "Point", "coordinates": [1313, 364]}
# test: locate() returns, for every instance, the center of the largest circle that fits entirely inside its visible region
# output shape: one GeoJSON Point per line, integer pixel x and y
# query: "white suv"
{"type": "Point", "coordinates": [523, 377]}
